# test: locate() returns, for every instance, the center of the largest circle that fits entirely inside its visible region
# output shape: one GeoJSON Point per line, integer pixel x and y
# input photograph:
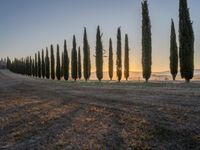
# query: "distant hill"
{"type": "Point", "coordinates": [164, 75]}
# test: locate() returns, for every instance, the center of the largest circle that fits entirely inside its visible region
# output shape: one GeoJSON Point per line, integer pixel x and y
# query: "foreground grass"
{"type": "Point", "coordinates": [43, 114]}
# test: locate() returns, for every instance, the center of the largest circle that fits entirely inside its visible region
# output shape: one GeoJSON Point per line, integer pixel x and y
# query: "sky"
{"type": "Point", "coordinates": [28, 26]}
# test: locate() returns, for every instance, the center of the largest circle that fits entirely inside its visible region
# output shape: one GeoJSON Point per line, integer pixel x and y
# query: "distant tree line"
{"type": "Point", "coordinates": [44, 67]}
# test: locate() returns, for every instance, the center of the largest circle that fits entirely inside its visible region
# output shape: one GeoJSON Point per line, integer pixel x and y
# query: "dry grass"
{"type": "Point", "coordinates": [42, 114]}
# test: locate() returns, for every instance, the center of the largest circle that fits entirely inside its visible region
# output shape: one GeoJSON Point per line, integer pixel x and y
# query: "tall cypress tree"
{"type": "Point", "coordinates": [62, 65]}
{"type": "Point", "coordinates": [186, 42]}
{"type": "Point", "coordinates": [146, 42]}
{"type": "Point", "coordinates": [43, 64]}
{"type": "Point", "coordinates": [119, 55]}
{"type": "Point", "coordinates": [52, 64]}
{"type": "Point", "coordinates": [110, 60]}
{"type": "Point", "coordinates": [66, 62]}
{"type": "Point", "coordinates": [33, 67]}
{"type": "Point", "coordinates": [74, 60]}
{"type": "Point", "coordinates": [36, 65]}
{"type": "Point", "coordinates": [99, 55]}
{"type": "Point", "coordinates": [23, 63]}
{"type": "Point", "coordinates": [89, 62]}
{"type": "Point", "coordinates": [58, 63]}
{"type": "Point", "coordinates": [30, 66]}
{"type": "Point", "coordinates": [8, 63]}
{"type": "Point", "coordinates": [126, 59]}
{"type": "Point", "coordinates": [79, 63]}
{"type": "Point", "coordinates": [86, 57]}
{"type": "Point", "coordinates": [27, 66]}
{"type": "Point", "coordinates": [47, 65]}
{"type": "Point", "coordinates": [39, 65]}
{"type": "Point", "coordinates": [173, 52]}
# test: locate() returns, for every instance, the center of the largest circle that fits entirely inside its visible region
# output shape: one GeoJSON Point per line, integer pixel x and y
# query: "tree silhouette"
{"type": "Point", "coordinates": [58, 63]}
{"type": "Point", "coordinates": [8, 64]}
{"type": "Point", "coordinates": [62, 65]}
{"type": "Point", "coordinates": [36, 65]}
{"type": "Point", "coordinates": [146, 42]}
{"type": "Point", "coordinates": [33, 67]}
{"type": "Point", "coordinates": [173, 52]}
{"type": "Point", "coordinates": [110, 60]}
{"type": "Point", "coordinates": [89, 62]}
{"type": "Point", "coordinates": [52, 64]}
{"type": "Point", "coordinates": [86, 57]}
{"type": "Point", "coordinates": [30, 66]}
{"type": "Point", "coordinates": [126, 59]}
{"type": "Point", "coordinates": [119, 57]}
{"type": "Point", "coordinates": [99, 55]}
{"type": "Point", "coordinates": [74, 60]}
{"type": "Point", "coordinates": [186, 42]}
{"type": "Point", "coordinates": [47, 65]}
{"type": "Point", "coordinates": [43, 64]}
{"type": "Point", "coordinates": [27, 66]}
{"type": "Point", "coordinates": [79, 63]}
{"type": "Point", "coordinates": [66, 62]}
{"type": "Point", "coordinates": [39, 65]}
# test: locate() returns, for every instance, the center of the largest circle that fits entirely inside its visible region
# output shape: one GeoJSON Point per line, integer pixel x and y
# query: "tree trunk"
{"type": "Point", "coordinates": [187, 80]}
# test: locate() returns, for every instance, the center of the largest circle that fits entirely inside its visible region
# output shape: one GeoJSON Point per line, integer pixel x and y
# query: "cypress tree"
{"type": "Point", "coordinates": [26, 66]}
{"type": "Point", "coordinates": [119, 57]}
{"type": "Point", "coordinates": [62, 65]}
{"type": "Point", "coordinates": [39, 65]}
{"type": "Point", "coordinates": [30, 66]}
{"type": "Point", "coordinates": [99, 55]}
{"type": "Point", "coordinates": [28, 62]}
{"type": "Point", "coordinates": [74, 60]}
{"type": "Point", "coordinates": [23, 64]}
{"type": "Point", "coordinates": [146, 42]}
{"type": "Point", "coordinates": [79, 63]}
{"type": "Point", "coordinates": [89, 62]}
{"type": "Point", "coordinates": [8, 63]}
{"type": "Point", "coordinates": [33, 68]}
{"type": "Point", "coordinates": [173, 52]}
{"type": "Point", "coordinates": [52, 64]}
{"type": "Point", "coordinates": [36, 65]}
{"type": "Point", "coordinates": [66, 62]}
{"type": "Point", "coordinates": [47, 65]}
{"type": "Point", "coordinates": [86, 57]}
{"type": "Point", "coordinates": [58, 63]}
{"type": "Point", "coordinates": [43, 64]}
{"type": "Point", "coordinates": [126, 59]}
{"type": "Point", "coordinates": [110, 61]}
{"type": "Point", "coordinates": [186, 42]}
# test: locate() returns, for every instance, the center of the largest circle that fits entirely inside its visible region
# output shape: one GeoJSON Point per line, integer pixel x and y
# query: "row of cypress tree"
{"type": "Point", "coordinates": [40, 67]}
{"type": "Point", "coordinates": [44, 67]}
{"type": "Point", "coordinates": [186, 44]}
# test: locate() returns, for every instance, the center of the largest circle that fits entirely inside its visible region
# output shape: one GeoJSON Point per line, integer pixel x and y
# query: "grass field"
{"type": "Point", "coordinates": [45, 114]}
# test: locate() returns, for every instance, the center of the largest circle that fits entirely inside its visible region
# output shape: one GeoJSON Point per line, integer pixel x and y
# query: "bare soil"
{"type": "Point", "coordinates": [45, 114]}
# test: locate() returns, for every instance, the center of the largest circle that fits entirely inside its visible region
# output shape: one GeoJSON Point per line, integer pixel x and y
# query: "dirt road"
{"type": "Point", "coordinates": [45, 114]}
